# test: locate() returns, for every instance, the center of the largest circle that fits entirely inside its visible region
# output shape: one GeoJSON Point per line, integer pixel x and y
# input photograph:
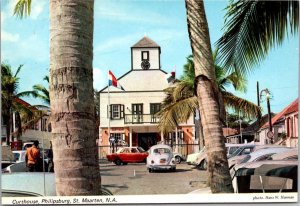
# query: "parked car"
{"type": "Point", "coordinates": [291, 154]}
{"type": "Point", "coordinates": [178, 157]}
{"type": "Point", "coordinates": [7, 157]}
{"type": "Point", "coordinates": [201, 160]}
{"type": "Point", "coordinates": [241, 153]}
{"type": "Point", "coordinates": [161, 158]}
{"type": "Point", "coordinates": [266, 176]}
{"type": "Point", "coordinates": [32, 184]}
{"type": "Point", "coordinates": [191, 158]}
{"type": "Point", "coordinates": [242, 150]}
{"type": "Point", "coordinates": [259, 155]}
{"type": "Point", "coordinates": [19, 155]}
{"type": "Point", "coordinates": [128, 155]}
{"type": "Point", "coordinates": [19, 164]}
{"type": "Point", "coordinates": [26, 184]}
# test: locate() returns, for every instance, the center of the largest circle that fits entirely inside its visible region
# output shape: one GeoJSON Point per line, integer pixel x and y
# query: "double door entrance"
{"type": "Point", "coordinates": [146, 140]}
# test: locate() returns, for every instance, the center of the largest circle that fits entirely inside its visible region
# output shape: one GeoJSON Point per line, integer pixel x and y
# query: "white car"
{"type": "Point", "coordinates": [19, 155]}
{"type": "Point", "coordinates": [161, 158]}
{"type": "Point", "coordinates": [259, 155]}
{"type": "Point", "coordinates": [178, 157]}
{"type": "Point", "coordinates": [191, 158]}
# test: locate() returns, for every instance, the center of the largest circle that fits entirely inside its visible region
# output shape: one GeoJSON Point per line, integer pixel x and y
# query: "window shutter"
{"type": "Point", "coordinates": [122, 111]}
{"type": "Point", "coordinates": [109, 115]}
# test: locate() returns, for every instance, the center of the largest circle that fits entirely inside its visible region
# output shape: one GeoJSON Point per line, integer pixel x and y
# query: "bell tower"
{"type": "Point", "coordinates": [145, 55]}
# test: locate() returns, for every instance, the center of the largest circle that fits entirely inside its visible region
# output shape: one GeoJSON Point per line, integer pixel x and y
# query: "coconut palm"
{"type": "Point", "coordinates": [11, 102]}
{"type": "Point", "coordinates": [252, 28]}
{"type": "Point", "coordinates": [71, 94]}
{"type": "Point", "coordinates": [181, 100]}
{"type": "Point", "coordinates": [208, 98]}
{"type": "Point", "coordinates": [41, 92]}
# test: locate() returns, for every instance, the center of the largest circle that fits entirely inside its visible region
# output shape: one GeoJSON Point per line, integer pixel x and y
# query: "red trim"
{"type": "Point", "coordinates": [287, 110]}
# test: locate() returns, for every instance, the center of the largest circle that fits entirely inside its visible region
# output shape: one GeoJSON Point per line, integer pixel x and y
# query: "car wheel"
{"type": "Point", "coordinates": [174, 169]}
{"type": "Point", "coordinates": [178, 159]}
{"type": "Point", "coordinates": [118, 162]}
{"type": "Point", "coordinates": [203, 164]}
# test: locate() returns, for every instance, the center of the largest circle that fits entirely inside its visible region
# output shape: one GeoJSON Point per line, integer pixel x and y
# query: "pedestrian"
{"type": "Point", "coordinates": [32, 157]}
{"type": "Point", "coordinates": [50, 159]}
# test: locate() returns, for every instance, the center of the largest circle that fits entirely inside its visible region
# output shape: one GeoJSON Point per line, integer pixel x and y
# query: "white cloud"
{"type": "Point", "coordinates": [37, 9]}
{"type": "Point", "coordinates": [3, 16]}
{"type": "Point", "coordinates": [115, 43]}
{"type": "Point", "coordinates": [100, 79]}
{"type": "Point", "coordinates": [6, 36]}
{"type": "Point", "coordinates": [33, 48]}
{"type": "Point", "coordinates": [127, 13]}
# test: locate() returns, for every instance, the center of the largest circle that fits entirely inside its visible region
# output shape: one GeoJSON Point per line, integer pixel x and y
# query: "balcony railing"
{"type": "Point", "coordinates": [140, 118]}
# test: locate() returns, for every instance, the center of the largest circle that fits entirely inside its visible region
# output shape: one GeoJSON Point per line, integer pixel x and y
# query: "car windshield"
{"type": "Point", "coordinates": [140, 149]}
{"type": "Point", "coordinates": [235, 153]}
{"type": "Point", "coordinates": [161, 151]}
{"type": "Point", "coordinates": [232, 150]}
{"type": "Point", "coordinates": [245, 159]}
{"type": "Point", "coordinates": [16, 156]}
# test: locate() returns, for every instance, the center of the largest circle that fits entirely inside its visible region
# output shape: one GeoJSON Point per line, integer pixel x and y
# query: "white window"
{"type": "Point", "coordinates": [116, 111]}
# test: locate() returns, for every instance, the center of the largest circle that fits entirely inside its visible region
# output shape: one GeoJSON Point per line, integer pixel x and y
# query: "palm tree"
{"type": "Point", "coordinates": [41, 92]}
{"type": "Point", "coordinates": [181, 100]}
{"type": "Point", "coordinates": [11, 102]}
{"type": "Point", "coordinates": [71, 94]}
{"type": "Point", "coordinates": [252, 28]}
{"type": "Point", "coordinates": [208, 98]}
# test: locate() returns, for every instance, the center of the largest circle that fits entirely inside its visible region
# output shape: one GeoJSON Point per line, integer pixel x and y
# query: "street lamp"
{"type": "Point", "coordinates": [268, 96]}
{"type": "Point", "coordinates": [240, 121]}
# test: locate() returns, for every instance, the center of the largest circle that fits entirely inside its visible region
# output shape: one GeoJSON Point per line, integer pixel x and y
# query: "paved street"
{"type": "Point", "coordinates": [134, 179]}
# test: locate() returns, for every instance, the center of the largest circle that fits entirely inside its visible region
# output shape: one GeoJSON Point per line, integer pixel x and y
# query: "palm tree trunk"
{"type": "Point", "coordinates": [201, 135]}
{"type": "Point", "coordinates": [208, 98]}
{"type": "Point", "coordinates": [71, 93]}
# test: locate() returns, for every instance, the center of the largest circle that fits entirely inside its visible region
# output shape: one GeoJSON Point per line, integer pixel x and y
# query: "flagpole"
{"type": "Point", "coordinates": [108, 99]}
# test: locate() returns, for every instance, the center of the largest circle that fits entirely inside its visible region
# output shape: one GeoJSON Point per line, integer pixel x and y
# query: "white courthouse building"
{"type": "Point", "coordinates": [132, 110]}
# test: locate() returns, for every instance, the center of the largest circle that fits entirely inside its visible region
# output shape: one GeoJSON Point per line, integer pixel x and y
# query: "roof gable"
{"type": "Point", "coordinates": [145, 42]}
{"type": "Point", "coordinates": [287, 110]}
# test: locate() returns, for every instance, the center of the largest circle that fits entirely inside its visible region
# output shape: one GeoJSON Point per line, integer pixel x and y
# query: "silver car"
{"type": "Point", "coordinates": [161, 158]}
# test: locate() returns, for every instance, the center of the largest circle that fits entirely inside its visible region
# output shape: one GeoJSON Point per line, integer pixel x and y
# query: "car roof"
{"type": "Point", "coordinates": [160, 146]}
{"type": "Point", "coordinates": [19, 151]}
{"type": "Point", "coordinates": [32, 182]}
{"type": "Point", "coordinates": [239, 145]}
{"type": "Point", "coordinates": [286, 154]}
{"type": "Point", "coordinates": [270, 150]}
{"type": "Point", "coordinates": [259, 163]}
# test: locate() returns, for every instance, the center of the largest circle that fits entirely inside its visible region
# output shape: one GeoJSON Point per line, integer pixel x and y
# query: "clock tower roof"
{"type": "Point", "coordinates": [146, 42]}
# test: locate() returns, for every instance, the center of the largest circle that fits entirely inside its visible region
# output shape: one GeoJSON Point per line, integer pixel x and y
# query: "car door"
{"type": "Point", "coordinates": [135, 155]}
{"type": "Point", "coordinates": [124, 155]}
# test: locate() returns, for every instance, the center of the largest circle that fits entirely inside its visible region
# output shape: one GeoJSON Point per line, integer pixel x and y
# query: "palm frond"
{"type": "Point", "coordinates": [46, 78]}
{"type": "Point", "coordinates": [176, 113]}
{"type": "Point", "coordinates": [183, 90]}
{"type": "Point", "coordinates": [238, 82]}
{"type": "Point", "coordinates": [247, 108]}
{"type": "Point", "coordinates": [252, 28]}
{"type": "Point", "coordinates": [22, 8]}
{"type": "Point", "coordinates": [18, 70]}
{"type": "Point", "coordinates": [27, 94]}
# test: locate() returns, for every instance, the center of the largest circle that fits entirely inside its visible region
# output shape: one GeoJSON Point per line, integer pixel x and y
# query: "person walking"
{"type": "Point", "coordinates": [32, 157]}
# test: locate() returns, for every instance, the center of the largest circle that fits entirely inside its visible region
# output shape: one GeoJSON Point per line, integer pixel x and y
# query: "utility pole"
{"type": "Point", "coordinates": [258, 103]}
{"type": "Point", "coordinates": [268, 96]}
{"type": "Point", "coordinates": [269, 110]}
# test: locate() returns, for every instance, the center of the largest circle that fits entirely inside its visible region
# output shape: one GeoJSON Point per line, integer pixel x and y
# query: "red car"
{"type": "Point", "coordinates": [128, 155]}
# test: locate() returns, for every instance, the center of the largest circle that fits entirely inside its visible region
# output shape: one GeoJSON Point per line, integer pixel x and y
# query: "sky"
{"type": "Point", "coordinates": [120, 24]}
